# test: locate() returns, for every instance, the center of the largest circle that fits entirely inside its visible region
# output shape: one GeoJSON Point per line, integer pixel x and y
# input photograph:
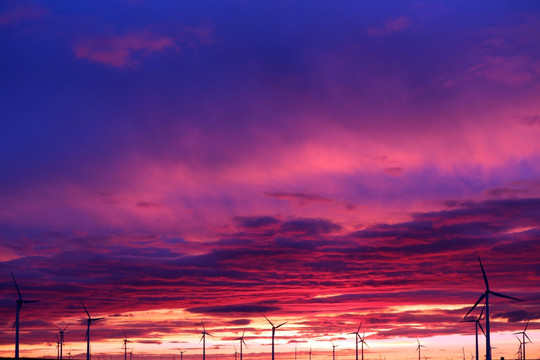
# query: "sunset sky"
{"type": "Point", "coordinates": [317, 162]}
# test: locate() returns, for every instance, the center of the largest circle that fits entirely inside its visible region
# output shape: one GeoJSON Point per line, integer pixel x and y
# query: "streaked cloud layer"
{"type": "Point", "coordinates": [321, 164]}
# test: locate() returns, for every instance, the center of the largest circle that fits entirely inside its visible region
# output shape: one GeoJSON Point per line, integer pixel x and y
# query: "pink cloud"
{"type": "Point", "coordinates": [392, 26]}
{"type": "Point", "coordinates": [511, 70]}
{"type": "Point", "coordinates": [21, 12]}
{"type": "Point", "coordinates": [120, 51]}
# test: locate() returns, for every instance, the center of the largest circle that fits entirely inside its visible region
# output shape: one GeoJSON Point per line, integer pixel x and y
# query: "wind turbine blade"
{"type": "Point", "coordinates": [244, 342]}
{"type": "Point", "coordinates": [30, 301]}
{"type": "Point", "coordinates": [527, 338]}
{"type": "Point", "coordinates": [359, 326]}
{"type": "Point", "coordinates": [17, 286]}
{"type": "Point", "coordinates": [280, 325]}
{"type": "Point", "coordinates": [526, 326]}
{"type": "Point", "coordinates": [65, 328]}
{"type": "Point", "coordinates": [84, 307]}
{"type": "Point", "coordinates": [96, 319]}
{"type": "Point", "coordinates": [365, 343]}
{"type": "Point", "coordinates": [201, 338]}
{"type": "Point", "coordinates": [504, 296]}
{"type": "Point", "coordinates": [268, 321]}
{"type": "Point", "coordinates": [483, 273]}
{"type": "Point", "coordinates": [243, 333]}
{"type": "Point", "coordinates": [477, 302]}
{"type": "Point", "coordinates": [418, 341]}
{"type": "Point", "coordinates": [204, 330]}
{"type": "Point", "coordinates": [482, 312]}
{"type": "Point", "coordinates": [481, 328]}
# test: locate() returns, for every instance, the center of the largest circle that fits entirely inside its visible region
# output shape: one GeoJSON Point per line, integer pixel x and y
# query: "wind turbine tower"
{"type": "Point", "coordinates": [477, 325]}
{"type": "Point", "coordinates": [274, 333]}
{"type": "Point", "coordinates": [181, 353]}
{"type": "Point", "coordinates": [485, 295]}
{"type": "Point", "coordinates": [88, 323]}
{"type": "Point", "coordinates": [363, 341]}
{"type": "Point", "coordinates": [57, 347]}
{"type": "Point", "coordinates": [241, 342]}
{"type": "Point", "coordinates": [356, 336]}
{"type": "Point", "coordinates": [333, 350]}
{"type": "Point", "coordinates": [418, 348]}
{"type": "Point", "coordinates": [61, 332]}
{"type": "Point", "coordinates": [20, 301]}
{"type": "Point", "coordinates": [524, 335]}
{"type": "Point", "coordinates": [203, 339]}
{"type": "Point", "coordinates": [125, 345]}
{"type": "Point", "coordinates": [520, 350]}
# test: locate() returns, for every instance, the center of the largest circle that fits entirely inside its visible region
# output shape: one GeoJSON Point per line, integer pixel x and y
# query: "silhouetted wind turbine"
{"type": "Point", "coordinates": [69, 354]}
{"type": "Point", "coordinates": [125, 345]}
{"type": "Point", "coordinates": [274, 333]}
{"type": "Point", "coordinates": [310, 353]}
{"type": "Point", "coordinates": [241, 338]}
{"type": "Point", "coordinates": [418, 348]}
{"type": "Point", "coordinates": [520, 350]}
{"type": "Point", "coordinates": [485, 295]}
{"type": "Point", "coordinates": [203, 339]}
{"type": "Point", "coordinates": [61, 332]}
{"type": "Point", "coordinates": [363, 341]}
{"type": "Point", "coordinates": [20, 301]}
{"type": "Point", "coordinates": [181, 353]}
{"type": "Point", "coordinates": [235, 353]}
{"type": "Point", "coordinates": [357, 335]}
{"type": "Point", "coordinates": [333, 350]}
{"type": "Point", "coordinates": [88, 323]}
{"type": "Point", "coordinates": [57, 347]}
{"type": "Point", "coordinates": [477, 324]}
{"type": "Point", "coordinates": [524, 334]}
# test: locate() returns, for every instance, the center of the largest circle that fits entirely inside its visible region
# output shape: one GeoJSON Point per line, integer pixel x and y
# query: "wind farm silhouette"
{"type": "Point", "coordinates": [359, 336]}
